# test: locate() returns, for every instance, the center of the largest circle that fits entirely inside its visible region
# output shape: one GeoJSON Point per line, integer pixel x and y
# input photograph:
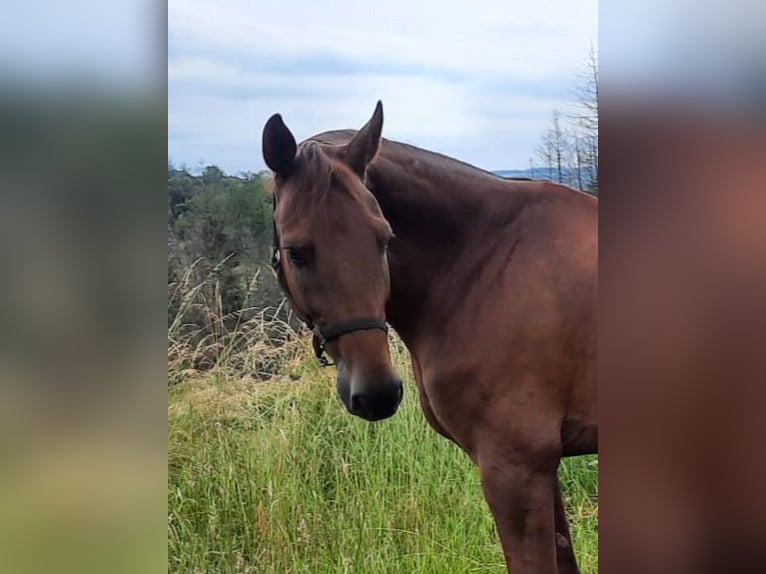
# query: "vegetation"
{"type": "Point", "coordinates": [276, 477]}
{"type": "Point", "coordinates": [219, 226]}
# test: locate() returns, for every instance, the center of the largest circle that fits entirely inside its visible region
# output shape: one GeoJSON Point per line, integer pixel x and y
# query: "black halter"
{"type": "Point", "coordinates": [321, 334]}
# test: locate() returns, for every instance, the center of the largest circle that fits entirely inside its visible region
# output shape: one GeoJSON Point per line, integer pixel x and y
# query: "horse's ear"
{"type": "Point", "coordinates": [361, 150]}
{"type": "Point", "coordinates": [278, 146]}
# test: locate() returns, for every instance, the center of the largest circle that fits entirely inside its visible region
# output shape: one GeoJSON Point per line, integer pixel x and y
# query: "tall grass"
{"type": "Point", "coordinates": [275, 477]}
{"type": "Point", "coordinates": [253, 343]}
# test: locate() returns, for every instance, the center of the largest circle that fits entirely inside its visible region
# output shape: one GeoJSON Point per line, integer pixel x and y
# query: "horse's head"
{"type": "Point", "coordinates": [332, 240]}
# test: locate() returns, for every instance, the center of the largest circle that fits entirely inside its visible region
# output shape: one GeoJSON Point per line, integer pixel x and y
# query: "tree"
{"type": "Point", "coordinates": [545, 154]}
{"type": "Point", "coordinates": [223, 221]}
{"type": "Point", "coordinates": [568, 148]}
{"type": "Point", "coordinates": [587, 117]}
{"type": "Point", "coordinates": [553, 150]}
{"type": "Point", "coordinates": [212, 174]}
{"type": "Point", "coordinates": [557, 139]}
{"type": "Point", "coordinates": [578, 156]}
{"type": "Point", "coordinates": [181, 187]}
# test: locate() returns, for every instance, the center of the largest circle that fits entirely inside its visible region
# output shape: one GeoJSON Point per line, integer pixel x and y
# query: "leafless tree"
{"type": "Point", "coordinates": [545, 153]}
{"type": "Point", "coordinates": [568, 149]}
{"type": "Point", "coordinates": [587, 117]}
{"type": "Point", "coordinates": [577, 157]}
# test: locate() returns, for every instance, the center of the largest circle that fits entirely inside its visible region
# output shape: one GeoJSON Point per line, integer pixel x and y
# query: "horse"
{"type": "Point", "coordinates": [490, 283]}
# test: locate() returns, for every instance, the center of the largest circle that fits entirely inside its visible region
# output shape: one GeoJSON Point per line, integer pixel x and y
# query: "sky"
{"type": "Point", "coordinates": [49, 42]}
{"type": "Point", "coordinates": [475, 80]}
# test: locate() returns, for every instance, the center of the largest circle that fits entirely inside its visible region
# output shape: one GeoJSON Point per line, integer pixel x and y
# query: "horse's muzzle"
{"type": "Point", "coordinates": [378, 402]}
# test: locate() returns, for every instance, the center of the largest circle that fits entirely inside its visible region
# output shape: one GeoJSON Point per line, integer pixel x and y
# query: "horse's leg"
{"type": "Point", "coordinates": [565, 556]}
{"type": "Point", "coordinates": [518, 484]}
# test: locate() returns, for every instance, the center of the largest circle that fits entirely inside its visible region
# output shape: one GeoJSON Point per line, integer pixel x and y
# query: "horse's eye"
{"type": "Point", "coordinates": [297, 257]}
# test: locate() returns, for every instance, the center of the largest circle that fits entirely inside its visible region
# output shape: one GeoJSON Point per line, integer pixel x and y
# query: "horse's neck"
{"type": "Point", "coordinates": [437, 212]}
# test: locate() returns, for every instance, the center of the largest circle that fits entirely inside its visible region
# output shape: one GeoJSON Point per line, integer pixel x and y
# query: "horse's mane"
{"type": "Point", "coordinates": [436, 159]}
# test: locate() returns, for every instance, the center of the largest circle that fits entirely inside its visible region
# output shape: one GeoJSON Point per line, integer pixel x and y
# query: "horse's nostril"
{"type": "Point", "coordinates": [357, 403]}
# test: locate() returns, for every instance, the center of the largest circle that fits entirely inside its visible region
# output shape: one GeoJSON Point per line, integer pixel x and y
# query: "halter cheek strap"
{"type": "Point", "coordinates": [323, 334]}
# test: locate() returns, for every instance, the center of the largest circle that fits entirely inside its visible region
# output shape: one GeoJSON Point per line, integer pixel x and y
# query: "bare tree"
{"type": "Point", "coordinates": [577, 157]}
{"type": "Point", "coordinates": [587, 116]}
{"type": "Point", "coordinates": [568, 149]}
{"type": "Point", "coordinates": [557, 138]}
{"type": "Point", "coordinates": [545, 153]}
{"type": "Point", "coordinates": [554, 149]}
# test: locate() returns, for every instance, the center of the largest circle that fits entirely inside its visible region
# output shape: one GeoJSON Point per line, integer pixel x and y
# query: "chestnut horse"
{"type": "Point", "coordinates": [490, 283]}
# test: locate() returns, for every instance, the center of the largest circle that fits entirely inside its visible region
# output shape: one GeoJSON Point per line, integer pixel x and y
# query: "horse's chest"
{"type": "Point", "coordinates": [449, 407]}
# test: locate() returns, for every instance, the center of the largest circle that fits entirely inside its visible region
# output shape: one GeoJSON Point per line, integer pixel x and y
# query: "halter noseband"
{"type": "Point", "coordinates": [321, 335]}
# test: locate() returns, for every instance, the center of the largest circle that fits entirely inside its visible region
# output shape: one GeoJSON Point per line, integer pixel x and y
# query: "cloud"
{"type": "Point", "coordinates": [50, 42]}
{"type": "Point", "coordinates": [478, 84]}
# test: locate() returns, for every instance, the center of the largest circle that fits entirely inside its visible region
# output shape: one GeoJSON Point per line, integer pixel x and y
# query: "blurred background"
{"type": "Point", "coordinates": [682, 316]}
{"type": "Point", "coordinates": [82, 167]}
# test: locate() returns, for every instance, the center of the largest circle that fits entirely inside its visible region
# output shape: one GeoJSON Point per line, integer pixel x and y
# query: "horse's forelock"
{"type": "Point", "coordinates": [316, 171]}
{"type": "Point", "coordinates": [312, 175]}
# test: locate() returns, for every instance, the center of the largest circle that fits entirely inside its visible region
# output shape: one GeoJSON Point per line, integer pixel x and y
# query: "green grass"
{"type": "Point", "coordinates": [277, 478]}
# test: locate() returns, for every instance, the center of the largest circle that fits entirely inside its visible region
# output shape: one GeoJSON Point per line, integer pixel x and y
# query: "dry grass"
{"type": "Point", "coordinates": [251, 343]}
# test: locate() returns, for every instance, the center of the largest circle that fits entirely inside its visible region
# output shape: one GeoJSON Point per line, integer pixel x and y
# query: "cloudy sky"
{"type": "Point", "coordinates": [478, 81]}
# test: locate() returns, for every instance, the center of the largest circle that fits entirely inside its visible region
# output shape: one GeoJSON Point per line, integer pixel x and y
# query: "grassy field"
{"type": "Point", "coordinates": [275, 477]}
